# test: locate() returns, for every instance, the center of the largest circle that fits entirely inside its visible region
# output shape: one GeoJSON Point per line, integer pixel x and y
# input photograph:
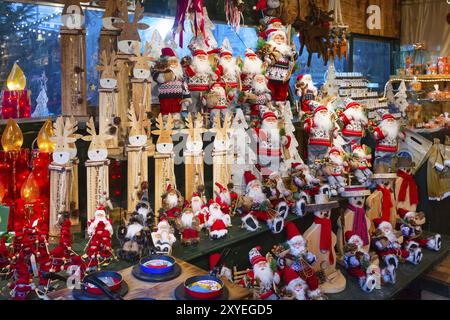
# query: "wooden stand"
{"type": "Point", "coordinates": [73, 72]}
{"type": "Point", "coordinates": [60, 181]}
{"type": "Point", "coordinates": [221, 167]}
{"type": "Point", "coordinates": [164, 175]}
{"type": "Point", "coordinates": [124, 95]}
{"type": "Point", "coordinates": [137, 173]}
{"type": "Point", "coordinates": [335, 279]}
{"type": "Point", "coordinates": [141, 95]}
{"type": "Point", "coordinates": [108, 110]}
{"type": "Point", "coordinates": [97, 184]}
{"type": "Point", "coordinates": [108, 41]}
{"type": "Point", "coordinates": [194, 173]}
{"type": "Point", "coordinates": [74, 199]}
{"type": "Point", "coordinates": [348, 217]}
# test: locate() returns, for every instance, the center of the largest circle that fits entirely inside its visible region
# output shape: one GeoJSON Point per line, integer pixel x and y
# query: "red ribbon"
{"type": "Point", "coordinates": [408, 181]}
{"type": "Point", "coordinates": [386, 203]}
{"type": "Point", "coordinates": [325, 236]}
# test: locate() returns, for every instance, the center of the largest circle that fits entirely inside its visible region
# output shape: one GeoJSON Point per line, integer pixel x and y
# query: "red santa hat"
{"type": "Point", "coordinates": [268, 114]}
{"type": "Point", "coordinates": [99, 210]}
{"type": "Point", "coordinates": [217, 83]}
{"type": "Point", "coordinates": [296, 165]}
{"type": "Point", "coordinates": [250, 53]}
{"type": "Point", "coordinates": [320, 108]}
{"type": "Point", "coordinates": [221, 187]}
{"type": "Point", "coordinates": [249, 177]}
{"type": "Point", "coordinates": [289, 275]}
{"type": "Point", "coordinates": [387, 116]}
{"type": "Point", "coordinates": [377, 222]}
{"type": "Point", "coordinates": [167, 53]}
{"type": "Point", "coordinates": [350, 236]}
{"type": "Point", "coordinates": [255, 256]}
{"type": "Point", "coordinates": [198, 52]}
{"type": "Point", "coordinates": [356, 146]}
{"type": "Point", "coordinates": [274, 20]}
{"type": "Point", "coordinates": [213, 260]}
{"type": "Point", "coordinates": [195, 195]}
{"type": "Point", "coordinates": [409, 215]}
{"type": "Point", "coordinates": [292, 231]}
{"type": "Point", "coordinates": [169, 187]}
{"type": "Point", "coordinates": [334, 150]}
{"type": "Point", "coordinates": [300, 77]}
{"type": "Point", "coordinates": [352, 104]}
{"type": "Point", "coordinates": [225, 52]}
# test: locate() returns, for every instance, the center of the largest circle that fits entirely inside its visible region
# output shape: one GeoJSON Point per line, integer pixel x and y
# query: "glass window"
{"type": "Point", "coordinates": [373, 59]}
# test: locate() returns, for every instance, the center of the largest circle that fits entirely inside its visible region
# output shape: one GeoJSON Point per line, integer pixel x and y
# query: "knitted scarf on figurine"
{"type": "Point", "coordinates": [325, 237]}
{"type": "Point", "coordinates": [360, 223]}
{"type": "Point", "coordinates": [408, 181]}
{"type": "Point", "coordinates": [386, 203]}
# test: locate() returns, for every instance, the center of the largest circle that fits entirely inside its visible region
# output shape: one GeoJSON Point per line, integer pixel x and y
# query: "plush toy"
{"type": "Point", "coordinates": [360, 163]}
{"type": "Point", "coordinates": [335, 169]}
{"type": "Point", "coordinates": [163, 238]}
{"type": "Point", "coordinates": [387, 134]}
{"type": "Point", "coordinates": [354, 122]}
{"type": "Point", "coordinates": [172, 204]}
{"type": "Point", "coordinates": [188, 224]}
{"type": "Point", "coordinates": [218, 222]}
{"type": "Point", "coordinates": [411, 228]}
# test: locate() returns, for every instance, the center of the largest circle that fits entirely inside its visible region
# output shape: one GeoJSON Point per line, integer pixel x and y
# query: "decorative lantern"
{"type": "Point", "coordinates": [16, 100]}
{"type": "Point", "coordinates": [43, 140]}
{"type": "Point", "coordinates": [30, 189]}
{"type": "Point", "coordinates": [12, 138]}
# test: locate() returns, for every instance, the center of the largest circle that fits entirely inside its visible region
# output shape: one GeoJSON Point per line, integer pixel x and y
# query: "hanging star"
{"type": "Point", "coordinates": [92, 87]}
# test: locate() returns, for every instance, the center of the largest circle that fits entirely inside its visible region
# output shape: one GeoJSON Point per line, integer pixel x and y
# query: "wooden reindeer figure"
{"type": "Point", "coordinates": [193, 155]}
{"type": "Point", "coordinates": [222, 152]}
{"type": "Point", "coordinates": [137, 151]}
{"type": "Point", "coordinates": [109, 33]}
{"type": "Point", "coordinates": [164, 164]}
{"type": "Point", "coordinates": [97, 182]}
{"type": "Point", "coordinates": [109, 120]}
{"type": "Point", "coordinates": [73, 60]}
{"type": "Point", "coordinates": [60, 173]}
{"type": "Point", "coordinates": [141, 82]}
{"type": "Point", "coordinates": [72, 125]}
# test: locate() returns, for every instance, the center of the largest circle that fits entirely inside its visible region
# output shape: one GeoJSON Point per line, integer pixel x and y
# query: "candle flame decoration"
{"type": "Point", "coordinates": [12, 138]}
{"type": "Point", "coordinates": [30, 189]}
{"type": "Point", "coordinates": [43, 139]}
{"type": "Point", "coordinates": [16, 79]}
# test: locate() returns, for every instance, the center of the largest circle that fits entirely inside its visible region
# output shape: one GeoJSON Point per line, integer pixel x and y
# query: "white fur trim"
{"type": "Point", "coordinates": [314, 294]}
{"type": "Point", "coordinates": [219, 233]}
{"type": "Point", "coordinates": [445, 195]}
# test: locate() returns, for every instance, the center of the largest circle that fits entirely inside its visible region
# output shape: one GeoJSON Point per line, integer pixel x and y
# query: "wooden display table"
{"type": "Point", "coordinates": [159, 290]}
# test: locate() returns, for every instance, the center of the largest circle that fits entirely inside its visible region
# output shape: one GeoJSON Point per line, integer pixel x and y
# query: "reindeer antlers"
{"type": "Point", "coordinates": [138, 13]}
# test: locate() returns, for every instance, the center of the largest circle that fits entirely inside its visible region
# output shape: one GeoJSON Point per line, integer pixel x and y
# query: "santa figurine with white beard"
{"type": "Point", "coordinates": [99, 215]}
{"type": "Point", "coordinates": [172, 203]}
{"type": "Point", "coordinates": [200, 209]}
{"type": "Point", "coordinates": [218, 222]}
{"type": "Point", "coordinates": [188, 225]}
{"type": "Point", "coordinates": [228, 68]}
{"type": "Point", "coordinates": [270, 144]}
{"type": "Point", "coordinates": [306, 91]}
{"type": "Point", "coordinates": [279, 63]}
{"type": "Point", "coordinates": [173, 93]}
{"type": "Point", "coordinates": [263, 276]}
{"type": "Point", "coordinates": [386, 135]}
{"type": "Point", "coordinates": [360, 163]}
{"type": "Point", "coordinates": [335, 169]}
{"type": "Point", "coordinates": [226, 197]}
{"type": "Point", "coordinates": [251, 66]}
{"type": "Point", "coordinates": [261, 95]}
{"type": "Point", "coordinates": [299, 259]}
{"type": "Point", "coordinates": [200, 75]}
{"type": "Point", "coordinates": [321, 129]}
{"type": "Point", "coordinates": [354, 122]}
{"type": "Point", "coordinates": [388, 248]}
{"type": "Point", "coordinates": [217, 101]}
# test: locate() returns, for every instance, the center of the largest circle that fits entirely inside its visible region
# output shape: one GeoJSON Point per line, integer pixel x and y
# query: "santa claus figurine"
{"type": "Point", "coordinates": [251, 66]}
{"type": "Point", "coordinates": [216, 100]}
{"type": "Point", "coordinates": [355, 218]}
{"type": "Point", "coordinates": [200, 75]}
{"type": "Point", "coordinates": [278, 195]}
{"type": "Point", "coordinates": [258, 208]}
{"type": "Point", "coordinates": [188, 225]}
{"type": "Point", "coordinates": [360, 163]}
{"type": "Point", "coordinates": [132, 238]}
{"type": "Point", "coordinates": [200, 209]}
{"type": "Point", "coordinates": [411, 228]}
{"type": "Point", "coordinates": [296, 257]}
{"type": "Point", "coordinates": [226, 197]}
{"type": "Point", "coordinates": [258, 95]}
{"type": "Point", "coordinates": [335, 169]}
{"type": "Point", "coordinates": [263, 275]}
{"type": "Point", "coordinates": [229, 70]}
{"type": "Point", "coordinates": [172, 204]}
{"type": "Point", "coordinates": [218, 222]}
{"type": "Point", "coordinates": [100, 215]}
{"type": "Point", "coordinates": [279, 60]}
{"type": "Point", "coordinates": [354, 122]}
{"type": "Point", "coordinates": [321, 130]}
{"type": "Point", "coordinates": [163, 238]}
{"type": "Point", "coordinates": [294, 284]}
{"type": "Point", "coordinates": [306, 91]}
{"type": "Point", "coordinates": [270, 144]}
{"type": "Point", "coordinates": [388, 248]}
{"type": "Point", "coordinates": [386, 135]}
{"type": "Point", "coordinates": [173, 93]}
{"type": "Point", "coordinates": [357, 261]}
{"type": "Point", "coordinates": [22, 283]}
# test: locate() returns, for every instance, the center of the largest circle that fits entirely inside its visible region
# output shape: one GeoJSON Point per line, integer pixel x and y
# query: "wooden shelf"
{"type": "Point", "coordinates": [437, 77]}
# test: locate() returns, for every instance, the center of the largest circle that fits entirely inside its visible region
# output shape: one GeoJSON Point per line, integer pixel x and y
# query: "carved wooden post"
{"type": "Point", "coordinates": [222, 153]}
{"type": "Point", "coordinates": [73, 60]}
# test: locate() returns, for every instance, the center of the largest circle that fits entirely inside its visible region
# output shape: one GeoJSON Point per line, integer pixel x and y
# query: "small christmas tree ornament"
{"type": "Point", "coordinates": [41, 109]}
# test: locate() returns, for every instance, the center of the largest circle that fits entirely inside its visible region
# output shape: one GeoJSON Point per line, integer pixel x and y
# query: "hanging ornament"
{"type": "Point", "coordinates": [16, 79]}
{"type": "Point", "coordinates": [195, 8]}
{"type": "Point", "coordinates": [233, 13]}
{"type": "Point", "coordinates": [43, 140]}
{"type": "Point", "coordinates": [12, 138]}
{"type": "Point", "coordinates": [30, 189]}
